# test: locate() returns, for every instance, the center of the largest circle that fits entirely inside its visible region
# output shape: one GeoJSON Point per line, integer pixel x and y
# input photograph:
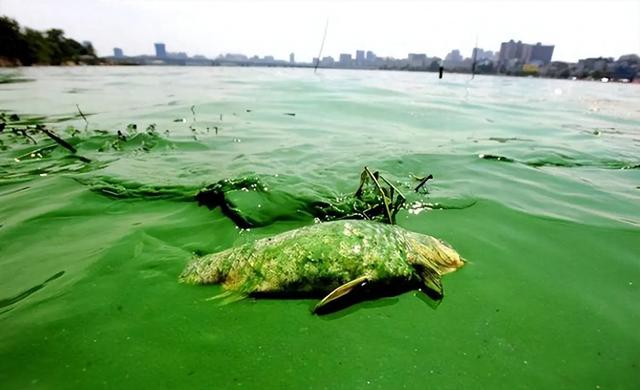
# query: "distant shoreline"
{"type": "Point", "coordinates": [310, 66]}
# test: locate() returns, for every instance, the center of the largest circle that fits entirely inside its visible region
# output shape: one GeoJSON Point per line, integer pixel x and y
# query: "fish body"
{"type": "Point", "coordinates": [322, 258]}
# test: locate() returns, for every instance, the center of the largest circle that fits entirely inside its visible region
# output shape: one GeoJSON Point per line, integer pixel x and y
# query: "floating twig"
{"type": "Point", "coordinates": [423, 181]}
{"type": "Point", "coordinates": [82, 114]}
{"type": "Point", "coordinates": [59, 140]}
{"type": "Point", "coordinates": [62, 142]}
{"type": "Point", "coordinates": [390, 205]}
{"type": "Point", "coordinates": [385, 200]}
{"type": "Point", "coordinates": [400, 199]}
{"type": "Point", "coordinates": [23, 132]}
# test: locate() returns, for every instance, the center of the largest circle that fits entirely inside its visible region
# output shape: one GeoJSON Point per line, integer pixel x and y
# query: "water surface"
{"type": "Point", "coordinates": [540, 179]}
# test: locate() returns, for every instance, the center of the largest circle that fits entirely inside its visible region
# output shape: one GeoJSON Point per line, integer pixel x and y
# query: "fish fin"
{"type": "Point", "coordinates": [432, 283]}
{"type": "Point", "coordinates": [341, 291]}
{"type": "Point", "coordinates": [227, 297]}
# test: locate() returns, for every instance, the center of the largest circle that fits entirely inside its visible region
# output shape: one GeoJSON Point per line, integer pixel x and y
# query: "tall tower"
{"type": "Point", "coordinates": [292, 58]}
{"type": "Point", "coordinates": [359, 57]}
{"type": "Point", "coordinates": [161, 51]}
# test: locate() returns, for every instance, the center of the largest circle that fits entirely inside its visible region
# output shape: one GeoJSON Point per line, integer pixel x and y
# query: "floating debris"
{"type": "Point", "coordinates": [506, 139]}
{"type": "Point", "coordinates": [423, 181]}
{"type": "Point", "coordinates": [82, 114]}
{"type": "Point", "coordinates": [495, 157]}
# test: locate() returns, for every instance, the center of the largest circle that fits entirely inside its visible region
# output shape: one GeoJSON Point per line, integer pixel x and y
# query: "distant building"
{"type": "Point", "coordinates": [268, 59]}
{"type": "Point", "coordinates": [117, 52]}
{"type": "Point", "coordinates": [480, 55]}
{"type": "Point", "coordinates": [345, 59]}
{"type": "Point", "coordinates": [454, 58]}
{"type": "Point", "coordinates": [235, 57]}
{"type": "Point", "coordinates": [523, 53]}
{"type": "Point", "coordinates": [161, 51]}
{"type": "Point", "coordinates": [371, 57]}
{"type": "Point", "coordinates": [540, 53]}
{"type": "Point", "coordinates": [179, 55]}
{"type": "Point", "coordinates": [292, 58]}
{"type": "Point", "coordinates": [327, 61]}
{"type": "Point", "coordinates": [359, 57]}
{"type": "Point", "coordinates": [509, 52]}
{"type": "Point", "coordinates": [417, 60]}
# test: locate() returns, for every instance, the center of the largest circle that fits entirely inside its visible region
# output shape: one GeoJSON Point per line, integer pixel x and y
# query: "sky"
{"type": "Point", "coordinates": [578, 29]}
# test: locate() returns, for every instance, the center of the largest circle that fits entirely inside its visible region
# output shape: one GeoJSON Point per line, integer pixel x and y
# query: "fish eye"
{"type": "Point", "coordinates": [445, 243]}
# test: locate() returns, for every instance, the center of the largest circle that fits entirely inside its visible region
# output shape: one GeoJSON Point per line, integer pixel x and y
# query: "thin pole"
{"type": "Point", "coordinates": [324, 36]}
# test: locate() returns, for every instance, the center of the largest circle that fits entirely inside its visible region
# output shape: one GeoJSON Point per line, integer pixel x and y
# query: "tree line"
{"type": "Point", "coordinates": [26, 46]}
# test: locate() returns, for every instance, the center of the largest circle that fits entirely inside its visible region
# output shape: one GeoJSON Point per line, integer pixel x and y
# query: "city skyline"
{"type": "Point", "coordinates": [392, 30]}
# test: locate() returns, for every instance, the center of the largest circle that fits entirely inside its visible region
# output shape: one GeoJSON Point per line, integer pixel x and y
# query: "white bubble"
{"type": "Point", "coordinates": [557, 91]}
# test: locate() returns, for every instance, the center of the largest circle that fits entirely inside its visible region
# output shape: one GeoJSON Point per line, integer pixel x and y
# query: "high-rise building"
{"type": "Point", "coordinates": [371, 57]}
{"type": "Point", "coordinates": [541, 53]}
{"type": "Point", "coordinates": [509, 51]}
{"type": "Point", "coordinates": [292, 58]}
{"type": "Point", "coordinates": [524, 53]}
{"type": "Point", "coordinates": [359, 57]}
{"type": "Point", "coordinates": [117, 52]}
{"type": "Point", "coordinates": [161, 51]}
{"type": "Point", "coordinates": [345, 59]}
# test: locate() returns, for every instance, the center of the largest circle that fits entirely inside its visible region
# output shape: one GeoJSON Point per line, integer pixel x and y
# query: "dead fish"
{"type": "Point", "coordinates": [336, 258]}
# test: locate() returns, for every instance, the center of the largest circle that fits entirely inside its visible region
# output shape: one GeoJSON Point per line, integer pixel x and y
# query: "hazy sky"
{"type": "Point", "coordinates": [579, 29]}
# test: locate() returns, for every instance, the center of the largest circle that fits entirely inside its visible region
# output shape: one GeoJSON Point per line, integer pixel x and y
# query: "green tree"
{"type": "Point", "coordinates": [28, 46]}
{"type": "Point", "coordinates": [12, 44]}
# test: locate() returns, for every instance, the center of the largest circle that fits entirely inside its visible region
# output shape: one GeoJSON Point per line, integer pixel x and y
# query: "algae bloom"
{"type": "Point", "coordinates": [337, 258]}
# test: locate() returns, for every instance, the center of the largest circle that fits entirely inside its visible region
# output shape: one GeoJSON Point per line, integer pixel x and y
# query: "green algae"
{"type": "Point", "coordinates": [549, 299]}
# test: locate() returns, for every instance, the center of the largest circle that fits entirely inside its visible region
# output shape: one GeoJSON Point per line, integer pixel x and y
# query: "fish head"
{"type": "Point", "coordinates": [426, 252]}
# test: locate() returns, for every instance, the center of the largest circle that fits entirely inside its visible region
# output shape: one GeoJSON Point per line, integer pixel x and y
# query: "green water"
{"type": "Point", "coordinates": [540, 179]}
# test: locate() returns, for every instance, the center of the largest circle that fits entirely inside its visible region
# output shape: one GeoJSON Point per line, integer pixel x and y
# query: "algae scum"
{"type": "Point", "coordinates": [536, 182]}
